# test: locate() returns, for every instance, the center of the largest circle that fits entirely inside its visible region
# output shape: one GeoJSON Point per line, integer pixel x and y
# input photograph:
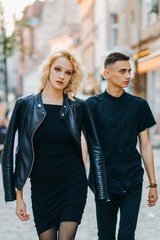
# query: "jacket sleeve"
{"type": "Point", "coordinates": [7, 157]}
{"type": "Point", "coordinates": [97, 164]}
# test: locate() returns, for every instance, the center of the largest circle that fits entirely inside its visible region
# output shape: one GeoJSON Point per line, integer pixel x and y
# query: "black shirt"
{"type": "Point", "coordinates": [118, 121]}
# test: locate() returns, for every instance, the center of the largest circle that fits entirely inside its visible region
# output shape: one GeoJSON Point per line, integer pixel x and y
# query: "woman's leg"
{"type": "Point", "coordinates": [67, 230]}
{"type": "Point", "coordinates": [50, 234]}
{"type": "Point", "coordinates": [107, 218]}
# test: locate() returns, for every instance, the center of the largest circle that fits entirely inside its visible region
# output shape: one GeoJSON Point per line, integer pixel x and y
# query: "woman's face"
{"type": "Point", "coordinates": [60, 73]}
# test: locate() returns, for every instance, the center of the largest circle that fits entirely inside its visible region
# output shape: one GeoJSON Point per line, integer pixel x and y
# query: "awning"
{"type": "Point", "coordinates": [148, 64]}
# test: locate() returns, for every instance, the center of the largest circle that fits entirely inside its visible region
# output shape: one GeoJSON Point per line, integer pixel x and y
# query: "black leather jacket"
{"type": "Point", "coordinates": [27, 116]}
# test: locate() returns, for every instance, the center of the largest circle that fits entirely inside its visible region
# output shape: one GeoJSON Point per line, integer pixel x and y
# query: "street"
{"type": "Point", "coordinates": [13, 229]}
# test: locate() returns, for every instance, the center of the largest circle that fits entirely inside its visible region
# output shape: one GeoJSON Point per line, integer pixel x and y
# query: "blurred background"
{"type": "Point", "coordinates": [31, 29]}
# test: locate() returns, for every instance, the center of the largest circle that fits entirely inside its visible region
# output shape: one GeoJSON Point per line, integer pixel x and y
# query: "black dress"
{"type": "Point", "coordinates": [58, 178]}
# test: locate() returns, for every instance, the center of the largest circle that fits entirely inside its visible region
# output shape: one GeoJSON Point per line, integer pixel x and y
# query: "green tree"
{"type": "Point", "coordinates": [7, 45]}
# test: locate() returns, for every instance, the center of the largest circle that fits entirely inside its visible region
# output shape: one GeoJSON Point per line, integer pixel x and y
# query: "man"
{"type": "Point", "coordinates": [120, 118]}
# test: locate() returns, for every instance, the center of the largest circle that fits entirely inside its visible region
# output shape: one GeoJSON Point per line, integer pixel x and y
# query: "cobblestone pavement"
{"type": "Point", "coordinates": [13, 229]}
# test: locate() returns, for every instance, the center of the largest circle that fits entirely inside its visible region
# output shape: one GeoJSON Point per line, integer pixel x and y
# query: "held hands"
{"type": "Point", "coordinates": [152, 197]}
{"type": "Point", "coordinates": [21, 210]}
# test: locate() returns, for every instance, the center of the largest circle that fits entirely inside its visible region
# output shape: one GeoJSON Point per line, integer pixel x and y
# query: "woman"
{"type": "Point", "coordinates": [49, 151]}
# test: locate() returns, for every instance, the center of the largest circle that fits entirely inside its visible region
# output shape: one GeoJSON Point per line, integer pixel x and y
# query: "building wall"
{"type": "Point", "coordinates": [111, 32]}
{"type": "Point", "coordinates": [131, 27]}
{"type": "Point", "coordinates": [87, 44]}
{"type": "Point", "coordinates": [41, 24]}
{"type": "Point", "coordinates": [100, 24]}
{"type": "Point", "coordinates": [146, 53]}
{"type": "Point", "coordinates": [58, 18]}
{"type": "Point", "coordinates": [51, 25]}
{"type": "Point", "coordinates": [104, 29]}
{"type": "Point", "coordinates": [117, 34]}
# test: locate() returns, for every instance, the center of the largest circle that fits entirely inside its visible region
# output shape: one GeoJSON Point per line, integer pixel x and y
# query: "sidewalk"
{"type": "Point", "coordinates": [13, 229]}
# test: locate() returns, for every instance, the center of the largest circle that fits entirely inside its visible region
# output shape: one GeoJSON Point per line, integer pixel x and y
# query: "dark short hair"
{"type": "Point", "coordinates": [114, 57]}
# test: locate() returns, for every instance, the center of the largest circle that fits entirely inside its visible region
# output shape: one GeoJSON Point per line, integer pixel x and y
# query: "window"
{"type": "Point", "coordinates": [145, 9]}
{"type": "Point", "coordinates": [113, 36]}
{"type": "Point", "coordinates": [154, 11]}
{"type": "Point", "coordinates": [132, 26]}
{"type": "Point", "coordinates": [151, 11]}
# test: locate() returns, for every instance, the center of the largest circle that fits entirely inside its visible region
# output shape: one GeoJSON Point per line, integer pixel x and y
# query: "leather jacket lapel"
{"type": "Point", "coordinates": [38, 113]}
{"type": "Point", "coordinates": [67, 112]}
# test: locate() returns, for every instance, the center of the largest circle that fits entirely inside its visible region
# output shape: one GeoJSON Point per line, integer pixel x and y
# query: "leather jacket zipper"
{"type": "Point", "coordinates": [75, 112]}
{"type": "Point", "coordinates": [33, 147]}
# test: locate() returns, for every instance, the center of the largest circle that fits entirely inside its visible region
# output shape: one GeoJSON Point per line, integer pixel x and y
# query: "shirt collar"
{"type": "Point", "coordinates": [114, 98]}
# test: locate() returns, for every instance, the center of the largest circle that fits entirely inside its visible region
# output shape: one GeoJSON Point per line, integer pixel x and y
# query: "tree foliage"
{"type": "Point", "coordinates": [7, 43]}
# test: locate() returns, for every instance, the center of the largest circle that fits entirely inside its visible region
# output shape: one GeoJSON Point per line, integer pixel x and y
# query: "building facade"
{"type": "Point", "coordinates": [87, 44]}
{"type": "Point", "coordinates": [44, 25]}
{"type": "Point", "coordinates": [146, 53]}
{"type": "Point", "coordinates": [104, 29]}
{"type": "Point", "coordinates": [131, 27]}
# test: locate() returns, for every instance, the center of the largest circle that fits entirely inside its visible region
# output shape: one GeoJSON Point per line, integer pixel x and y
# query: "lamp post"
{"type": "Point", "coordinates": [3, 42]}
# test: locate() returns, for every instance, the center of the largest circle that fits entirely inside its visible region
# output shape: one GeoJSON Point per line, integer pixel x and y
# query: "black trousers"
{"type": "Point", "coordinates": [128, 204]}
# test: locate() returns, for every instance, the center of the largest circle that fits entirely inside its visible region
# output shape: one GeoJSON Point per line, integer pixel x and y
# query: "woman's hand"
{"type": "Point", "coordinates": [21, 210]}
{"type": "Point", "coordinates": [21, 207]}
{"type": "Point", "coordinates": [152, 197]}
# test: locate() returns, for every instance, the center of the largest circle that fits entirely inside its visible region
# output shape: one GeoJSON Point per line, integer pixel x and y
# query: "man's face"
{"type": "Point", "coordinates": [118, 74]}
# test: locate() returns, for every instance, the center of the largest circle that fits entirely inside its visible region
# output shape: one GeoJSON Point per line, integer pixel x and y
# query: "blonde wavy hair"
{"type": "Point", "coordinates": [77, 76]}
